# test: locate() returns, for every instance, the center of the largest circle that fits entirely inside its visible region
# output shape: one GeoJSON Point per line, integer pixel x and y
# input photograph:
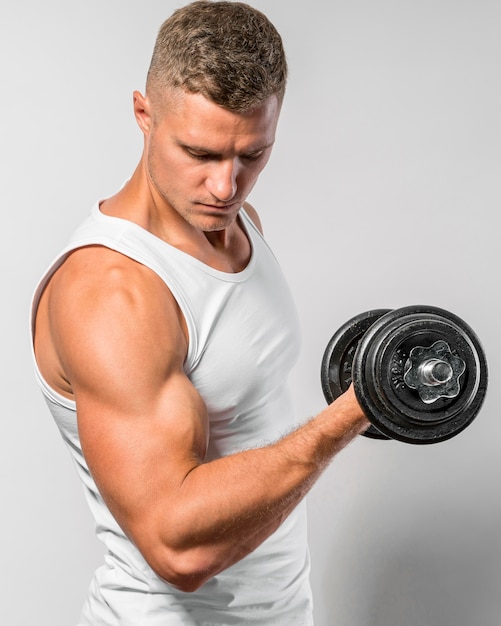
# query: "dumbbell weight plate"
{"type": "Point", "coordinates": [378, 368]}
{"type": "Point", "coordinates": [336, 370]}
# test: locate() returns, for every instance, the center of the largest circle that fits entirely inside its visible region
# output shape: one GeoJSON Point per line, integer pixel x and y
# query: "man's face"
{"type": "Point", "coordinates": [203, 160]}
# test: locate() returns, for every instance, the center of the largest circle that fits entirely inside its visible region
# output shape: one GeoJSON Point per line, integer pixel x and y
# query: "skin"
{"type": "Point", "coordinates": [110, 336]}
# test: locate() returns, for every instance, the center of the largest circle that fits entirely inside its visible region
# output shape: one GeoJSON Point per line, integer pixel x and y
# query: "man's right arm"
{"type": "Point", "coordinates": [120, 343]}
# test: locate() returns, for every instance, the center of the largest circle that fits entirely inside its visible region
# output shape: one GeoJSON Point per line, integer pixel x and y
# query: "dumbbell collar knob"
{"type": "Point", "coordinates": [434, 372]}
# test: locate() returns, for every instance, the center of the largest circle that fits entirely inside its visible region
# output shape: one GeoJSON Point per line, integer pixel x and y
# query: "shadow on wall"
{"type": "Point", "coordinates": [442, 570]}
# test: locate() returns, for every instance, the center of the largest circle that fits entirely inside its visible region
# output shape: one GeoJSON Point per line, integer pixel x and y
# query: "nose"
{"type": "Point", "coordinates": [222, 180]}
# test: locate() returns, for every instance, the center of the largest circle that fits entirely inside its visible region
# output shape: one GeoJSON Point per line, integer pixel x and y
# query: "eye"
{"type": "Point", "coordinates": [199, 156]}
{"type": "Point", "coordinates": [254, 156]}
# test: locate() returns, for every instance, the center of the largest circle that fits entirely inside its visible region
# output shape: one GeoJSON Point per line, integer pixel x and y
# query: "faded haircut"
{"type": "Point", "coordinates": [229, 52]}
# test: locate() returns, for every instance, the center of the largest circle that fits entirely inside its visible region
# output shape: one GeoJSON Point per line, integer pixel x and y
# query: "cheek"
{"type": "Point", "coordinates": [251, 175]}
{"type": "Point", "coordinates": [172, 171]}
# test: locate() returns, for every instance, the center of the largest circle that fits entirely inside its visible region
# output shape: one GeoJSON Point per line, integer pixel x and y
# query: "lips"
{"type": "Point", "coordinates": [220, 208]}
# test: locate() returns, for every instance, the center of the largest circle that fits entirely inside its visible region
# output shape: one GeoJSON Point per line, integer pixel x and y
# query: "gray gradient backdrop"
{"type": "Point", "coordinates": [383, 191]}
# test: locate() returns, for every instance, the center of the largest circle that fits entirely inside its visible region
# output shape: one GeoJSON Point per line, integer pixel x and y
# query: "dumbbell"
{"type": "Point", "coordinates": [418, 372]}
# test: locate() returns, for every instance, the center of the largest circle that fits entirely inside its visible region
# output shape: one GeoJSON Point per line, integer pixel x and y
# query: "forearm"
{"type": "Point", "coordinates": [226, 508]}
{"type": "Point", "coordinates": [254, 487]}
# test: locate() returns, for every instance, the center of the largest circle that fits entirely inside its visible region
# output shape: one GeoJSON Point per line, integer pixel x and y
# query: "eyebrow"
{"type": "Point", "coordinates": [213, 153]}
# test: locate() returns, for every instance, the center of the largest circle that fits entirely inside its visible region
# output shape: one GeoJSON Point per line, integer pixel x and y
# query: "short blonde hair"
{"type": "Point", "coordinates": [227, 51]}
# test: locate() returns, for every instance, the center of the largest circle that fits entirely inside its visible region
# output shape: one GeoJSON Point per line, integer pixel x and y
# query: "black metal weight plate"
{"type": "Point", "coordinates": [336, 370]}
{"type": "Point", "coordinates": [383, 356]}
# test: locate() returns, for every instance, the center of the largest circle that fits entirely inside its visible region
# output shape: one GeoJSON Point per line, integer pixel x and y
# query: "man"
{"type": "Point", "coordinates": [163, 334]}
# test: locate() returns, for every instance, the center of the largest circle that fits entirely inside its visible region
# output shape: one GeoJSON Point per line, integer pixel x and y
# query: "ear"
{"type": "Point", "coordinates": [142, 112]}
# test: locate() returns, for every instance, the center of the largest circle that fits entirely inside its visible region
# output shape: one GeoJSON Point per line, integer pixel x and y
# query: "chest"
{"type": "Point", "coordinates": [245, 340]}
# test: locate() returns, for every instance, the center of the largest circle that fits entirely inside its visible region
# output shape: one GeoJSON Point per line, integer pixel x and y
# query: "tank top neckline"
{"type": "Point", "coordinates": [245, 222]}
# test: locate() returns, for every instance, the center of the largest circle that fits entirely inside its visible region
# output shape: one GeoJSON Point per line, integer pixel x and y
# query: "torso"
{"type": "Point", "coordinates": [239, 366]}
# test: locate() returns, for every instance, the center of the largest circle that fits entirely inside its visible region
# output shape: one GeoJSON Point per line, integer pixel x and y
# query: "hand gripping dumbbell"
{"type": "Point", "coordinates": [419, 372]}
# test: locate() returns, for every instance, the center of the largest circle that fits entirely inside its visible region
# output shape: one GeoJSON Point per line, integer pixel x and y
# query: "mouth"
{"type": "Point", "coordinates": [221, 208]}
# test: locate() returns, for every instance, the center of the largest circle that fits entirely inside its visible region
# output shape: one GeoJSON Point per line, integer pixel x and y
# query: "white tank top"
{"type": "Point", "coordinates": [243, 341]}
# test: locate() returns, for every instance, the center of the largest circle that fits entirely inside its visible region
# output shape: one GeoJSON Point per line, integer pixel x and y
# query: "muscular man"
{"type": "Point", "coordinates": [162, 336]}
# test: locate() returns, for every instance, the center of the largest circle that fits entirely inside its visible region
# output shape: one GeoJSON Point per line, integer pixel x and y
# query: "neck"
{"type": "Point", "coordinates": [226, 249]}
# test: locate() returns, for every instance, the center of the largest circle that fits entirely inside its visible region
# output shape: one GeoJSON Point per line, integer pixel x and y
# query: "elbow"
{"type": "Point", "coordinates": [186, 570]}
{"type": "Point", "coordinates": [188, 560]}
{"type": "Point", "coordinates": [187, 581]}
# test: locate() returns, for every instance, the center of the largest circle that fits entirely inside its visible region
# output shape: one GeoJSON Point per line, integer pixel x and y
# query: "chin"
{"type": "Point", "coordinates": [212, 226]}
{"type": "Point", "coordinates": [211, 223]}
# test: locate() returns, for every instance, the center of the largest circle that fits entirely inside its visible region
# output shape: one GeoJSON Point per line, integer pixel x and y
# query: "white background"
{"type": "Point", "coordinates": [383, 191]}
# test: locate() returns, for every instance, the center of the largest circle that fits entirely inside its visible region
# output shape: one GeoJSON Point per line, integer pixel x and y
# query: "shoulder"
{"type": "Point", "coordinates": [254, 216]}
{"type": "Point", "coordinates": [101, 281]}
{"type": "Point", "coordinates": [95, 275]}
{"type": "Point", "coordinates": [98, 268]}
{"type": "Point", "coordinates": [106, 312]}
